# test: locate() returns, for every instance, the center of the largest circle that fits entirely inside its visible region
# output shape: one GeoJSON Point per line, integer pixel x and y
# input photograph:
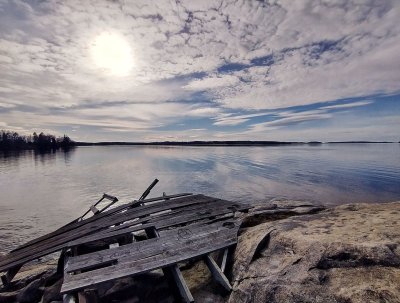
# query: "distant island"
{"type": "Point", "coordinates": [13, 141]}
{"type": "Point", "coordinates": [218, 143]}
{"type": "Point", "coordinates": [43, 142]}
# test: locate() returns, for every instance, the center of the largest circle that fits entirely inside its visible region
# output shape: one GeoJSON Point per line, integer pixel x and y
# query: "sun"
{"type": "Point", "coordinates": [112, 53]}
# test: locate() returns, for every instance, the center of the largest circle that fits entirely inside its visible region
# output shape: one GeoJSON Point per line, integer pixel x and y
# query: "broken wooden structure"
{"type": "Point", "coordinates": [134, 238]}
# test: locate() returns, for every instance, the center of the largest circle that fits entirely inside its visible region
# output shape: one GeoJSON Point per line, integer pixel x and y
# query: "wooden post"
{"type": "Point", "coordinates": [94, 210]}
{"type": "Point", "coordinates": [182, 286]}
{"type": "Point", "coordinates": [217, 274]}
{"type": "Point", "coordinates": [7, 278]}
{"type": "Point", "coordinates": [224, 259]}
{"type": "Point", "coordinates": [88, 296]}
{"type": "Point", "coordinates": [173, 272]}
{"type": "Point", "coordinates": [70, 297]}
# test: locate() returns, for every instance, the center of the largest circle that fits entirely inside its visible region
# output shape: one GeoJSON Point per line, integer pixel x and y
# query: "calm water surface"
{"type": "Point", "coordinates": [42, 192]}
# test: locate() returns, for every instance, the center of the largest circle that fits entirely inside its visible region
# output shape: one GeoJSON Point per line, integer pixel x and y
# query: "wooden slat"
{"type": "Point", "coordinates": [60, 240]}
{"type": "Point", "coordinates": [74, 225]}
{"type": "Point", "coordinates": [57, 242]}
{"type": "Point", "coordinates": [224, 259]}
{"type": "Point", "coordinates": [182, 210]}
{"type": "Point", "coordinates": [217, 273]}
{"type": "Point", "coordinates": [6, 279]}
{"type": "Point", "coordinates": [167, 239]}
{"type": "Point", "coordinates": [94, 210]}
{"type": "Point", "coordinates": [182, 286]}
{"type": "Point", "coordinates": [126, 267]}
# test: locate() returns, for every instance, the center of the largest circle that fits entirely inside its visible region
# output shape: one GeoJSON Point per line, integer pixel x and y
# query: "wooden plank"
{"type": "Point", "coordinates": [104, 225]}
{"type": "Point", "coordinates": [94, 210]}
{"type": "Point", "coordinates": [69, 298]}
{"type": "Point", "coordinates": [224, 259]}
{"type": "Point", "coordinates": [128, 268]}
{"type": "Point", "coordinates": [168, 239]}
{"type": "Point", "coordinates": [167, 197]}
{"type": "Point", "coordinates": [110, 212]}
{"type": "Point", "coordinates": [217, 273]}
{"type": "Point", "coordinates": [58, 242]}
{"type": "Point", "coordinates": [108, 235]}
{"type": "Point", "coordinates": [167, 220]}
{"type": "Point", "coordinates": [7, 278]}
{"type": "Point", "coordinates": [182, 286]}
{"type": "Point", "coordinates": [191, 209]}
{"type": "Point", "coordinates": [90, 229]}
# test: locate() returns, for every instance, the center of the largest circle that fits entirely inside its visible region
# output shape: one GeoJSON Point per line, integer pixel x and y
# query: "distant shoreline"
{"type": "Point", "coordinates": [223, 143]}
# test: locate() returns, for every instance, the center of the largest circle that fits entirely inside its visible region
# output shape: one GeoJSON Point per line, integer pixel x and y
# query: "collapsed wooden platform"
{"type": "Point", "coordinates": [134, 238]}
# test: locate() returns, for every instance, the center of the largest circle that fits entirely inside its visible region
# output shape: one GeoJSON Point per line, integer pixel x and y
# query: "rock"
{"type": "Point", "coordinates": [278, 210]}
{"type": "Point", "coordinates": [8, 297]}
{"type": "Point", "coordinates": [149, 287]}
{"type": "Point", "coordinates": [28, 285]}
{"type": "Point", "coordinates": [199, 280]}
{"type": "Point", "coordinates": [52, 292]}
{"type": "Point", "coordinates": [31, 293]}
{"type": "Point", "coordinates": [349, 253]}
{"type": "Point", "coordinates": [288, 251]}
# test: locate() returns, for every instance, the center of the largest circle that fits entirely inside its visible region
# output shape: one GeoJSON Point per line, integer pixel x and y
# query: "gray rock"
{"type": "Point", "coordinates": [350, 253]}
{"type": "Point", "coordinates": [278, 210]}
{"type": "Point", "coordinates": [8, 297]}
{"type": "Point", "coordinates": [52, 292]}
{"type": "Point", "coordinates": [288, 251]}
{"type": "Point", "coordinates": [31, 293]}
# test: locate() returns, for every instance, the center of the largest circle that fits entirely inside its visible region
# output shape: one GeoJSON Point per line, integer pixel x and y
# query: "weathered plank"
{"type": "Point", "coordinates": [217, 273]}
{"type": "Point", "coordinates": [6, 279]}
{"type": "Point", "coordinates": [206, 233]}
{"type": "Point", "coordinates": [187, 215]}
{"type": "Point", "coordinates": [182, 286]}
{"type": "Point", "coordinates": [57, 242]}
{"type": "Point", "coordinates": [224, 259]}
{"type": "Point", "coordinates": [126, 267]}
{"type": "Point", "coordinates": [113, 211]}
{"type": "Point", "coordinates": [169, 238]}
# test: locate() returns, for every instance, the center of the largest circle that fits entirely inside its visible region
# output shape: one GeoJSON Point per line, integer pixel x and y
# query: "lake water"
{"type": "Point", "coordinates": [40, 192]}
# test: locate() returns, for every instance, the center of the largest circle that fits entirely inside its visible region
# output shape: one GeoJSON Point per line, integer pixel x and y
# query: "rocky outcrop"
{"type": "Point", "coordinates": [288, 251]}
{"type": "Point", "coordinates": [349, 253]}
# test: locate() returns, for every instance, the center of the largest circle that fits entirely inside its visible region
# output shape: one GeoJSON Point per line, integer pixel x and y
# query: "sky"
{"type": "Point", "coordinates": [201, 70]}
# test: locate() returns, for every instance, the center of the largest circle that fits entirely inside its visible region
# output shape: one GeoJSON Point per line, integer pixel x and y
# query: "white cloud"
{"type": "Point", "coordinates": [224, 119]}
{"type": "Point", "coordinates": [319, 51]}
{"type": "Point", "coordinates": [213, 82]}
{"type": "Point", "coordinates": [347, 105]}
{"type": "Point", "coordinates": [291, 119]}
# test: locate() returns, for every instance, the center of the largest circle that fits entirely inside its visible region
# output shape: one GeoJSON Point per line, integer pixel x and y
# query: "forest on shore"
{"type": "Point", "coordinates": [13, 141]}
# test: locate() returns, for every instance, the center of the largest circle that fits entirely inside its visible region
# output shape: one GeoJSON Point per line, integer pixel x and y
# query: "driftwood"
{"type": "Point", "coordinates": [134, 238]}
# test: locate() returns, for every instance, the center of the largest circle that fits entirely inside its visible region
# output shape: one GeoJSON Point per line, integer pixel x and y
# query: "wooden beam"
{"type": "Point", "coordinates": [182, 286]}
{"type": "Point", "coordinates": [7, 278]}
{"type": "Point", "coordinates": [88, 296]}
{"type": "Point", "coordinates": [217, 274]}
{"type": "Point", "coordinates": [94, 210]}
{"type": "Point", "coordinates": [69, 298]}
{"type": "Point", "coordinates": [224, 259]}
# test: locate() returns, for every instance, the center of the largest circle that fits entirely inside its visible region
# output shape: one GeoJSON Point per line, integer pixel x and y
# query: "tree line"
{"type": "Point", "coordinates": [13, 141]}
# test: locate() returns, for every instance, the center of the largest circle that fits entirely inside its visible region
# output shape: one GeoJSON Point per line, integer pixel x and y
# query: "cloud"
{"type": "Point", "coordinates": [193, 60]}
{"type": "Point", "coordinates": [347, 105]}
{"type": "Point", "coordinates": [290, 118]}
{"type": "Point", "coordinates": [235, 120]}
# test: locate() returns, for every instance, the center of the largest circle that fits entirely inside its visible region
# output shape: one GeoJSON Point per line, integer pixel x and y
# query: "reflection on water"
{"type": "Point", "coordinates": [41, 191]}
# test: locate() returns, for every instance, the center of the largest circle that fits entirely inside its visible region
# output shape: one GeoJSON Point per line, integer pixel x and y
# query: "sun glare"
{"type": "Point", "coordinates": [112, 53]}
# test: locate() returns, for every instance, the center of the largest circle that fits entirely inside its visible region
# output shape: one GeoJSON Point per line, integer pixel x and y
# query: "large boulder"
{"type": "Point", "coordinates": [350, 253]}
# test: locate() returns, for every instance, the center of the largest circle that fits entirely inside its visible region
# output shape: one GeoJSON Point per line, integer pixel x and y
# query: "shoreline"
{"type": "Point", "coordinates": [288, 251]}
